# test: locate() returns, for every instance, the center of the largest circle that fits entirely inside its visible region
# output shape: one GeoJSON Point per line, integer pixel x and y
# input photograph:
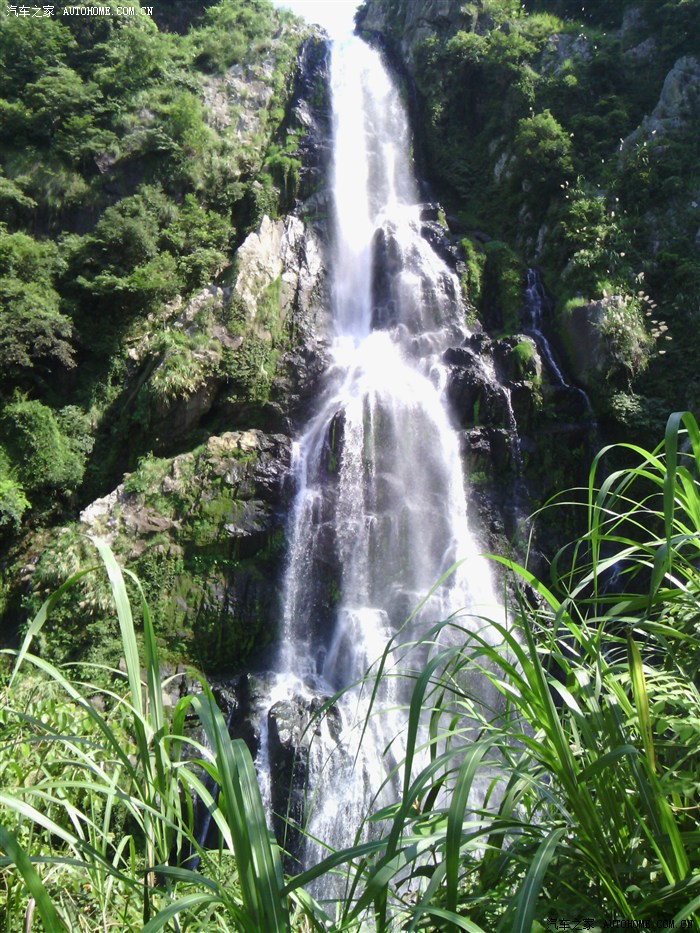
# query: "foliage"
{"type": "Point", "coordinates": [240, 25]}
{"type": "Point", "coordinates": [122, 187]}
{"type": "Point", "coordinates": [46, 459]}
{"type": "Point", "coordinates": [628, 341]}
{"type": "Point", "coordinates": [34, 334]}
{"type": "Point", "coordinates": [544, 151]}
{"type": "Point", "coordinates": [524, 354]}
{"type": "Point", "coordinates": [13, 501]}
{"type": "Point", "coordinates": [200, 239]}
{"type": "Point", "coordinates": [474, 260]}
{"type": "Point", "coordinates": [108, 804]}
{"type": "Point", "coordinates": [593, 240]}
{"type": "Point", "coordinates": [183, 366]}
{"type": "Point", "coordinates": [574, 792]}
{"type": "Point", "coordinates": [501, 294]}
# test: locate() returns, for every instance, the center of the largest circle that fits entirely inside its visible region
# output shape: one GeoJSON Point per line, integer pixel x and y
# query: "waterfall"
{"type": "Point", "coordinates": [379, 513]}
{"type": "Point", "coordinates": [535, 303]}
{"type": "Point", "coordinates": [535, 300]}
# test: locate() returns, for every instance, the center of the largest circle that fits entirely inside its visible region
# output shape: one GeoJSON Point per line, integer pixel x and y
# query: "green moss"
{"type": "Point", "coordinates": [523, 355]}
{"type": "Point", "coordinates": [475, 260]}
{"type": "Point", "coordinates": [503, 282]}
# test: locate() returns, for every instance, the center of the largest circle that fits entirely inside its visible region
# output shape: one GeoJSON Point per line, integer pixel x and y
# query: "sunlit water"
{"type": "Point", "coordinates": [379, 514]}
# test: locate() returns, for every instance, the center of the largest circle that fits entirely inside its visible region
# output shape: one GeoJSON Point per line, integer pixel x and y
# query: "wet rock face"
{"type": "Point", "coordinates": [311, 116]}
{"type": "Point", "coordinates": [473, 389]}
{"type": "Point", "coordinates": [292, 728]}
{"type": "Point", "coordinates": [387, 262]}
{"type": "Point", "coordinates": [523, 436]}
{"type": "Point", "coordinates": [438, 236]}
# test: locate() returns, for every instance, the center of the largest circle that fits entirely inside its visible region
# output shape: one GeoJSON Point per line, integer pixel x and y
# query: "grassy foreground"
{"type": "Point", "coordinates": [577, 801]}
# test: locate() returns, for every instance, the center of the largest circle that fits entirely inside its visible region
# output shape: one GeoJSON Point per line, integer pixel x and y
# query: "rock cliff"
{"type": "Point", "coordinates": [217, 380]}
{"type": "Point", "coordinates": [566, 145]}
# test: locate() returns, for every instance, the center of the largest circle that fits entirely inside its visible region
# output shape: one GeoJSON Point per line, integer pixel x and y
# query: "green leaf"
{"type": "Point", "coordinates": [47, 912]}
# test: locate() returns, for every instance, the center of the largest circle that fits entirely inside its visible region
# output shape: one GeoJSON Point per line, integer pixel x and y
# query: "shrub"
{"type": "Point", "coordinates": [33, 333]}
{"type": "Point", "coordinates": [45, 458]}
{"type": "Point", "coordinates": [544, 151]}
{"type": "Point", "coordinates": [13, 502]}
{"type": "Point", "coordinates": [628, 342]}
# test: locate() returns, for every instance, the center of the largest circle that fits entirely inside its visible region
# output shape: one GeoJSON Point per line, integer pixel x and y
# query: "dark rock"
{"type": "Point", "coordinates": [439, 239]}
{"type": "Point", "coordinates": [387, 263]}
{"type": "Point", "coordinates": [474, 393]}
{"type": "Point", "coordinates": [311, 116]}
{"type": "Point", "coordinates": [333, 446]}
{"type": "Point", "coordinates": [514, 366]}
{"type": "Point", "coordinates": [293, 726]}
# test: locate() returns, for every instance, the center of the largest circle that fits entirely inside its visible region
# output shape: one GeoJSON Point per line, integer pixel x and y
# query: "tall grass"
{"type": "Point", "coordinates": [107, 804]}
{"type": "Point", "coordinates": [575, 797]}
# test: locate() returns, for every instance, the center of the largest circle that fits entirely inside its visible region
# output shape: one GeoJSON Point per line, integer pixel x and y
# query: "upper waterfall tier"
{"type": "Point", "coordinates": [384, 273]}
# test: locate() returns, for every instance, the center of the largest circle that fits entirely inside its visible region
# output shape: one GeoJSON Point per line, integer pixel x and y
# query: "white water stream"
{"type": "Point", "coordinates": [379, 513]}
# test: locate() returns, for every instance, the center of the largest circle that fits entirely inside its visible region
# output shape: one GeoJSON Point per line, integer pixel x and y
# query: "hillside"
{"type": "Point", "coordinates": [136, 158]}
{"type": "Point", "coordinates": [562, 136]}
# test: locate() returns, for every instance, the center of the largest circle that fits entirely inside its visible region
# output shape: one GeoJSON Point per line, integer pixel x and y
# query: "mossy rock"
{"type": "Point", "coordinates": [204, 535]}
{"type": "Point", "coordinates": [502, 286]}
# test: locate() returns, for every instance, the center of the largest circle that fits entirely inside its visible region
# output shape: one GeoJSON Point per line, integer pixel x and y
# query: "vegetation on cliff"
{"type": "Point", "coordinates": [568, 131]}
{"type": "Point", "coordinates": [133, 163]}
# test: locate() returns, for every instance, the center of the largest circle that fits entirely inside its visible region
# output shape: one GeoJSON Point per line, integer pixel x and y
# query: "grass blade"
{"type": "Point", "coordinates": [47, 911]}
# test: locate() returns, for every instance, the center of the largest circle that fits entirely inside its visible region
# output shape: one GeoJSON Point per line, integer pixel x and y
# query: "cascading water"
{"type": "Point", "coordinates": [380, 513]}
{"type": "Point", "coordinates": [535, 302]}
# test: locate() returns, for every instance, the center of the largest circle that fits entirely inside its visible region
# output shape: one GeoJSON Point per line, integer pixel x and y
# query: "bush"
{"type": "Point", "coordinates": [45, 458]}
{"type": "Point", "coordinates": [626, 337]}
{"type": "Point", "coordinates": [33, 333]}
{"type": "Point", "coordinates": [13, 502]}
{"type": "Point", "coordinates": [544, 151]}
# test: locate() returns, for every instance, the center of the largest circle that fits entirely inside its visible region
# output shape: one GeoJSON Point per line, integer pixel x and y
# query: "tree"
{"type": "Point", "coordinates": [544, 151]}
